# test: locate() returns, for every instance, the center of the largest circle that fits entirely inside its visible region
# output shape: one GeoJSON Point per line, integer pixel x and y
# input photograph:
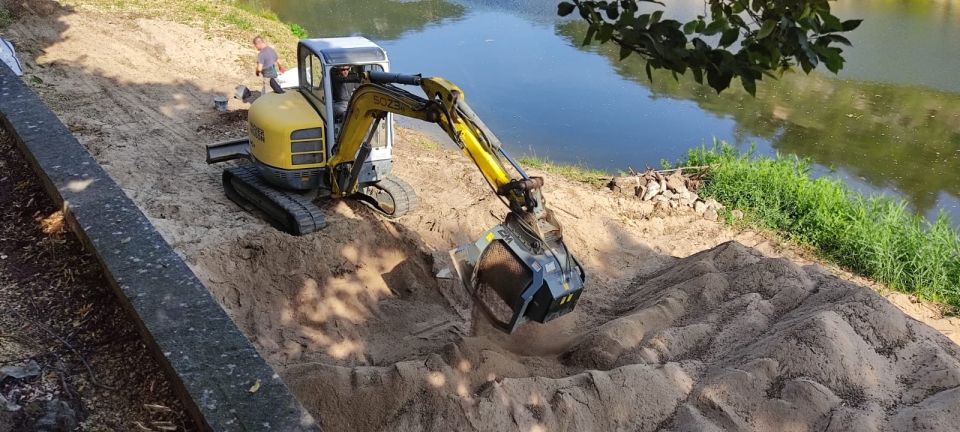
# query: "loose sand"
{"type": "Point", "coordinates": [685, 324]}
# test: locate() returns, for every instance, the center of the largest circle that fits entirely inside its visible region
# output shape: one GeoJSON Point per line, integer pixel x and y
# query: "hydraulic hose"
{"type": "Point", "coordinates": [393, 78]}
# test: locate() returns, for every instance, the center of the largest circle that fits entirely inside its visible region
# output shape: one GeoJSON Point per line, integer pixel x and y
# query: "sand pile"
{"type": "Point", "coordinates": [723, 340]}
{"type": "Point", "coordinates": [359, 326]}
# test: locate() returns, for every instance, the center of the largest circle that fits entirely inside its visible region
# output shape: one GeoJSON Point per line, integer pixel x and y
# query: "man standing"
{"type": "Point", "coordinates": [268, 65]}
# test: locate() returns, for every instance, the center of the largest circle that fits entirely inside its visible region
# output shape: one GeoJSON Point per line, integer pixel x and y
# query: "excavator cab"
{"type": "Point", "coordinates": [303, 147]}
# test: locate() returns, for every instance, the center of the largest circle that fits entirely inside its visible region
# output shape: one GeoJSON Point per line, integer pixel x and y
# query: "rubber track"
{"type": "Point", "coordinates": [287, 211]}
{"type": "Point", "coordinates": [404, 197]}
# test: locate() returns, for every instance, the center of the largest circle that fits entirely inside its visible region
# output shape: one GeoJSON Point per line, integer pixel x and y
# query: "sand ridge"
{"type": "Point", "coordinates": [679, 329]}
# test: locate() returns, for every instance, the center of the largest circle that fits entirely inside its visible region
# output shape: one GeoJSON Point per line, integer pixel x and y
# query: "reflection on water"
{"type": "Point", "coordinates": [379, 20]}
{"type": "Point", "coordinates": [890, 123]}
{"type": "Point", "coordinates": [905, 42]}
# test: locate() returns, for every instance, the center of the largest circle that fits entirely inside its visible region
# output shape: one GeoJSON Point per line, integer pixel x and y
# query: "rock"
{"type": "Point", "coordinates": [663, 183]}
{"type": "Point", "coordinates": [624, 185]}
{"type": "Point", "coordinates": [653, 188]}
{"type": "Point", "coordinates": [641, 190]}
{"type": "Point", "coordinates": [28, 370]}
{"type": "Point", "coordinates": [685, 195]}
{"type": "Point", "coordinates": [712, 203]}
{"type": "Point", "coordinates": [669, 195]}
{"type": "Point", "coordinates": [674, 204]}
{"type": "Point", "coordinates": [661, 198]}
{"type": "Point", "coordinates": [676, 183]}
{"type": "Point", "coordinates": [694, 196]}
{"type": "Point", "coordinates": [737, 214]}
{"type": "Point", "coordinates": [59, 417]}
{"type": "Point", "coordinates": [699, 207]}
{"type": "Point", "coordinates": [445, 273]}
{"type": "Point", "coordinates": [711, 214]}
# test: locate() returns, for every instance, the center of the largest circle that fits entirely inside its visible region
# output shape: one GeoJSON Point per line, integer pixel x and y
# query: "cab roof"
{"type": "Point", "coordinates": [346, 50]}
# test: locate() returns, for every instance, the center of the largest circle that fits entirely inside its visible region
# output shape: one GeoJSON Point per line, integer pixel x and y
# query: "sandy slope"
{"type": "Point", "coordinates": [369, 339]}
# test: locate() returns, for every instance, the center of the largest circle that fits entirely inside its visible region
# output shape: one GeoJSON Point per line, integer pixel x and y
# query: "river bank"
{"type": "Point", "coordinates": [681, 314]}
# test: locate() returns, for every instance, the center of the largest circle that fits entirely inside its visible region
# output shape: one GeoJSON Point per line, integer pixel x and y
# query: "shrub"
{"type": "Point", "coordinates": [298, 31]}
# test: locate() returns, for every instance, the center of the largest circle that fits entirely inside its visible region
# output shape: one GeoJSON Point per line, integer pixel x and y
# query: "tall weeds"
{"type": "Point", "coordinates": [878, 237]}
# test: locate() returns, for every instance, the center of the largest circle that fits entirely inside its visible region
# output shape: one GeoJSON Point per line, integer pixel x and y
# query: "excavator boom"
{"type": "Point", "coordinates": [519, 270]}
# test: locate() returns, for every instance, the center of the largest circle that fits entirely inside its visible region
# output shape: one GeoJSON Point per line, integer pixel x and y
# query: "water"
{"type": "Point", "coordinates": [890, 123]}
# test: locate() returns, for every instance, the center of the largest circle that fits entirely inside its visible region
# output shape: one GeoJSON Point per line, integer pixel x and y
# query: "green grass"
{"type": "Point", "coordinates": [239, 21]}
{"type": "Point", "coordinates": [577, 173]}
{"type": "Point", "coordinates": [6, 17]}
{"type": "Point", "coordinates": [877, 237]}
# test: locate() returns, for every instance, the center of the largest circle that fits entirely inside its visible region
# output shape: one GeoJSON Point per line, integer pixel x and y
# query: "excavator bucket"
{"type": "Point", "coordinates": [515, 280]}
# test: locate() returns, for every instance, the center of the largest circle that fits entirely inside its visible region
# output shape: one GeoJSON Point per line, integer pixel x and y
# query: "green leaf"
{"type": "Point", "coordinates": [589, 37]}
{"type": "Point", "coordinates": [701, 26]}
{"type": "Point", "coordinates": [625, 51]}
{"type": "Point", "coordinates": [749, 84]}
{"type": "Point", "coordinates": [613, 12]}
{"type": "Point", "coordinates": [690, 27]}
{"type": "Point", "coordinates": [655, 17]}
{"type": "Point", "coordinates": [850, 25]}
{"type": "Point", "coordinates": [838, 39]}
{"type": "Point", "coordinates": [831, 23]}
{"type": "Point", "coordinates": [719, 80]}
{"type": "Point", "coordinates": [697, 74]}
{"type": "Point", "coordinates": [649, 71]}
{"type": "Point", "coordinates": [729, 36]}
{"type": "Point", "coordinates": [603, 35]}
{"type": "Point", "coordinates": [565, 8]}
{"type": "Point", "coordinates": [642, 21]}
{"type": "Point", "coordinates": [830, 57]}
{"type": "Point", "coordinates": [715, 27]}
{"type": "Point", "coordinates": [767, 28]}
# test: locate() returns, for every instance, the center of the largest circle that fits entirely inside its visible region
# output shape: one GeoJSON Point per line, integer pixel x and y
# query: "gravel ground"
{"type": "Point", "coordinates": [70, 357]}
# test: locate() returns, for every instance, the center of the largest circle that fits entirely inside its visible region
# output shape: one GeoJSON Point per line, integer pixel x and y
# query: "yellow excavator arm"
{"type": "Point", "coordinates": [519, 270]}
{"type": "Point", "coordinates": [444, 105]}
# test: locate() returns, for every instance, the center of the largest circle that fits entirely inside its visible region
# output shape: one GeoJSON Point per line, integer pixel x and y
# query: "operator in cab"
{"type": "Point", "coordinates": [344, 83]}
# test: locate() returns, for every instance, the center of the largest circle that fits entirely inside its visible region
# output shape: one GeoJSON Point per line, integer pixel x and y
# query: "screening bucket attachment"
{"type": "Point", "coordinates": [516, 277]}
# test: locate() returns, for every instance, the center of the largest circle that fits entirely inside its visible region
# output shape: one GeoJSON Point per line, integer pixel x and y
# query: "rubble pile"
{"type": "Point", "coordinates": [668, 189]}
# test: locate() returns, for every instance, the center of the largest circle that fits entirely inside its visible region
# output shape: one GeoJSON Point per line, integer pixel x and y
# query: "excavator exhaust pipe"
{"type": "Point", "coordinates": [515, 279]}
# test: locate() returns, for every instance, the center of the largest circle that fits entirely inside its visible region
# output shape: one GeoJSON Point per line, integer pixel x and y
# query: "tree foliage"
{"type": "Point", "coordinates": [743, 39]}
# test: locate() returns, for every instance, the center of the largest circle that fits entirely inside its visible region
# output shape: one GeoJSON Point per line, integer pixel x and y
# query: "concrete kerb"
{"type": "Point", "coordinates": [210, 363]}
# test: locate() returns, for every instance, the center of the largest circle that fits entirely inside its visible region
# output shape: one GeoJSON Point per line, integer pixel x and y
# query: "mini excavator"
{"type": "Point", "coordinates": [297, 152]}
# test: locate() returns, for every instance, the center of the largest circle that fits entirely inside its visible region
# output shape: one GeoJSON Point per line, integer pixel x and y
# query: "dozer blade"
{"type": "Point", "coordinates": [228, 150]}
{"type": "Point", "coordinates": [515, 278]}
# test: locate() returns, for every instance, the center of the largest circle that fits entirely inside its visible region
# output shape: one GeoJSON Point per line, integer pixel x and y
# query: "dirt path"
{"type": "Point", "coordinates": [678, 329]}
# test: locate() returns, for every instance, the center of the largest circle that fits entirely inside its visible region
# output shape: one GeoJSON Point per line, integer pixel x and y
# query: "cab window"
{"type": "Point", "coordinates": [315, 79]}
{"type": "Point", "coordinates": [380, 136]}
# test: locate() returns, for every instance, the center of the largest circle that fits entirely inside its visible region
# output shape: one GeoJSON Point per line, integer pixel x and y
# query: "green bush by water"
{"type": "Point", "coordinates": [878, 237]}
{"type": "Point", "coordinates": [298, 31]}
